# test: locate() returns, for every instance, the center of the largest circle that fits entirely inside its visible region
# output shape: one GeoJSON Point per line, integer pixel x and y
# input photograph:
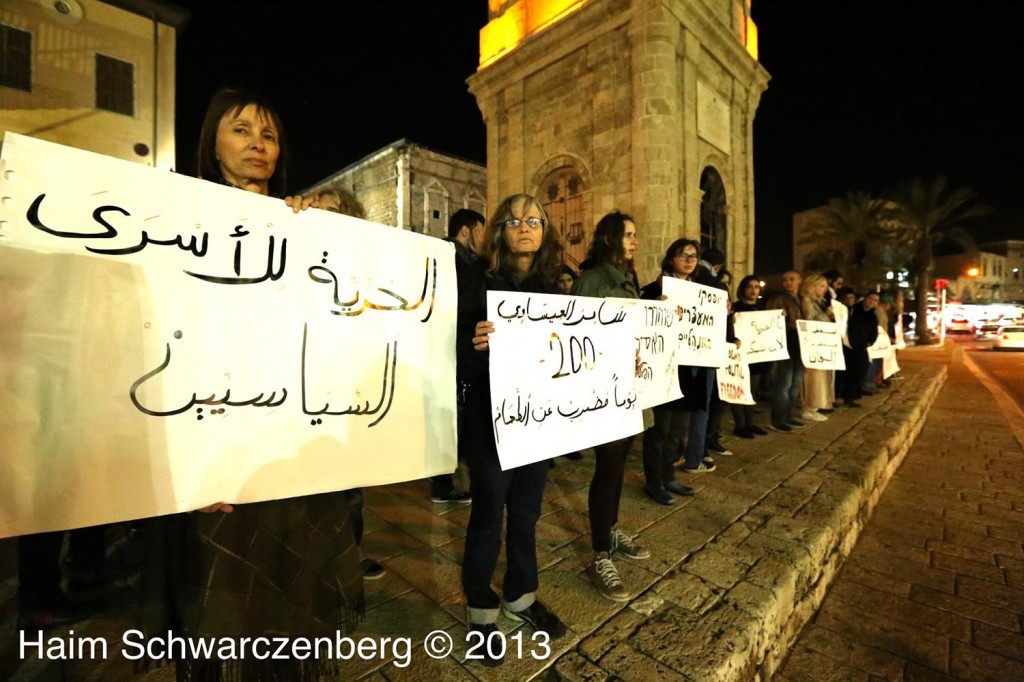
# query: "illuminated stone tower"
{"type": "Point", "coordinates": [646, 106]}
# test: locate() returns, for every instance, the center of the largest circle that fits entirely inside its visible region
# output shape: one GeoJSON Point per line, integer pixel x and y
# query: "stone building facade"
{"type": "Point", "coordinates": [93, 75]}
{"type": "Point", "coordinates": [409, 186]}
{"type": "Point", "coordinates": [645, 106]}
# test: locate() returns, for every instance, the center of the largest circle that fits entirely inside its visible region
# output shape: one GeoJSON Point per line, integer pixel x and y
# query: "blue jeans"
{"type": "Point", "coordinates": [789, 377]}
{"type": "Point", "coordinates": [696, 442]}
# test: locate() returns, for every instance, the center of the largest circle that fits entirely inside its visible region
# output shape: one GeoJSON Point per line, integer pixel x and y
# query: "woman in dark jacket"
{"type": "Point", "coordinates": [608, 272]}
{"type": "Point", "coordinates": [748, 300]}
{"type": "Point", "coordinates": [522, 253]}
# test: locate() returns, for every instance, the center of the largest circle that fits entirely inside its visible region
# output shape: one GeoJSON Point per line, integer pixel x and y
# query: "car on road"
{"type": "Point", "coordinates": [987, 331]}
{"type": "Point", "coordinates": [958, 323]}
{"type": "Point", "coordinates": [1010, 336]}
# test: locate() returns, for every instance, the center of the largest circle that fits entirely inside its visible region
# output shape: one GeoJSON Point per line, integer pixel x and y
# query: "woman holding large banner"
{"type": "Point", "coordinates": [219, 573]}
{"type": "Point", "coordinates": [608, 272]}
{"type": "Point", "coordinates": [522, 251]}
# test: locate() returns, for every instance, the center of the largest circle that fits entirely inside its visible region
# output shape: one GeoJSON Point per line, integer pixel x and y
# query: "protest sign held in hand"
{"type": "Point", "coordinates": [655, 325]}
{"type": "Point", "coordinates": [762, 335]}
{"type": "Point", "coordinates": [734, 379]}
{"type": "Point", "coordinates": [820, 345]}
{"type": "Point", "coordinates": [701, 312]}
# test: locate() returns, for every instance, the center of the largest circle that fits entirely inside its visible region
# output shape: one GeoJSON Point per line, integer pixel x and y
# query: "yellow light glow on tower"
{"type": "Point", "coordinates": [520, 20]}
{"type": "Point", "coordinates": [751, 42]}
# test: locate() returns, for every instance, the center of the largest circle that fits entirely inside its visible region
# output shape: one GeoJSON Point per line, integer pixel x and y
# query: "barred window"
{"type": "Point", "coordinates": [15, 58]}
{"type": "Point", "coordinates": [115, 85]}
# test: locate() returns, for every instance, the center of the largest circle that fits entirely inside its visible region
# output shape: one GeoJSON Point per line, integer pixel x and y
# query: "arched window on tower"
{"type": "Point", "coordinates": [563, 195]}
{"type": "Point", "coordinates": [712, 211]}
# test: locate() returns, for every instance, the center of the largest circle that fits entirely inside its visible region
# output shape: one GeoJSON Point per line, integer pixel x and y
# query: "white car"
{"type": "Point", "coordinates": [1011, 336]}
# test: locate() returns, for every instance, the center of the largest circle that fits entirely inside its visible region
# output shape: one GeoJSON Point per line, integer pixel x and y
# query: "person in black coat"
{"type": "Point", "coordinates": [862, 331]}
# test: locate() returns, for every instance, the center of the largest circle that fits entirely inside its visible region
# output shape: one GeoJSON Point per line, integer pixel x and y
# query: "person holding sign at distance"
{"type": "Point", "coordinates": [522, 253]}
{"type": "Point", "coordinates": [819, 384]}
{"type": "Point", "coordinates": [608, 272]}
{"type": "Point", "coordinates": [748, 300]}
{"type": "Point", "coordinates": [215, 573]}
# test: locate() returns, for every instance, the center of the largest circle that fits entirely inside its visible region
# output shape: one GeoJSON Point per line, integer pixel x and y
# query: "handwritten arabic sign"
{"type": "Point", "coordinates": [734, 379]}
{"type": "Point", "coordinates": [842, 316]}
{"type": "Point", "coordinates": [561, 375]}
{"type": "Point", "coordinates": [169, 343]}
{"type": "Point", "coordinates": [820, 345]}
{"type": "Point", "coordinates": [700, 340]}
{"type": "Point", "coordinates": [762, 335]}
{"type": "Point", "coordinates": [882, 346]}
{"type": "Point", "coordinates": [655, 325]}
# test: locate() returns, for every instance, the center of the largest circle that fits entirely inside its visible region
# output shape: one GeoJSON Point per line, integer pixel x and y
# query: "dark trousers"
{"type": "Point", "coordinates": [39, 571]}
{"type": "Point", "coordinates": [518, 493]}
{"type": "Point", "coordinates": [716, 410]}
{"type": "Point", "coordinates": [606, 491]}
{"type": "Point", "coordinates": [856, 367]}
{"type": "Point", "coordinates": [662, 443]}
{"type": "Point", "coordinates": [742, 415]}
{"type": "Point", "coordinates": [696, 441]}
{"type": "Point", "coordinates": [789, 377]}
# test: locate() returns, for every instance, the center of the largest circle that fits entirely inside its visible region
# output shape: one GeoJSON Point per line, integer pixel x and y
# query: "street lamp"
{"type": "Point", "coordinates": [973, 271]}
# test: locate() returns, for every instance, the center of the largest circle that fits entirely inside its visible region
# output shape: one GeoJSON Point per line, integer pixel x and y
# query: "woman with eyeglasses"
{"type": "Point", "coordinates": [522, 252]}
{"type": "Point", "coordinates": [608, 272]}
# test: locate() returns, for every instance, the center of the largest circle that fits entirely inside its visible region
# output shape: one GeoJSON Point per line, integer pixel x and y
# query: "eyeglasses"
{"type": "Point", "coordinates": [516, 223]}
{"type": "Point", "coordinates": [688, 257]}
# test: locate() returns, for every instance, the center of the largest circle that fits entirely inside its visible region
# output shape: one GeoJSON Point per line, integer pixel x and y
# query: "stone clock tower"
{"type": "Point", "coordinates": [646, 106]}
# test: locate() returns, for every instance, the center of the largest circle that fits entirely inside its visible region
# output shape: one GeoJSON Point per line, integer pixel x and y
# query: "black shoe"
{"type": "Point", "coordinates": [677, 488]}
{"type": "Point", "coordinates": [539, 618]}
{"type": "Point", "coordinates": [452, 496]}
{"type": "Point", "coordinates": [796, 423]}
{"type": "Point", "coordinates": [659, 495]}
{"type": "Point", "coordinates": [482, 654]}
{"type": "Point", "coordinates": [781, 428]}
{"type": "Point", "coordinates": [573, 455]}
{"type": "Point", "coordinates": [757, 430]}
{"type": "Point", "coordinates": [372, 570]}
{"type": "Point", "coordinates": [851, 403]}
{"type": "Point", "coordinates": [715, 446]}
{"type": "Point", "coordinates": [743, 432]}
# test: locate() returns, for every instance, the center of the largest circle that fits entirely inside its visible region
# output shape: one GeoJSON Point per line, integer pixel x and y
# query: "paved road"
{"type": "Point", "coordinates": [1006, 368]}
{"type": "Point", "coordinates": [934, 589]}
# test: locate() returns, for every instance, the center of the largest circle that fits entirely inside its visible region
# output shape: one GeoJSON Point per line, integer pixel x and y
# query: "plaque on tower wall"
{"type": "Point", "coordinates": [713, 117]}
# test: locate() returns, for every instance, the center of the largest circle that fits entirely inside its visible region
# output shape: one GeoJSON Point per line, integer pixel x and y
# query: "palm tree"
{"type": "Point", "coordinates": [925, 214]}
{"type": "Point", "coordinates": [847, 235]}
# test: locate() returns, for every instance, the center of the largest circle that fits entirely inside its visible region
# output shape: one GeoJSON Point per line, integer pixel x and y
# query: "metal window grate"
{"type": "Point", "coordinates": [15, 58]}
{"type": "Point", "coordinates": [115, 85]}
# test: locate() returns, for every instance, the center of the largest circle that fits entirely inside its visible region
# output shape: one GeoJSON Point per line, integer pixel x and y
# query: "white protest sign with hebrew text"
{"type": "Point", "coordinates": [655, 325]}
{"type": "Point", "coordinates": [762, 335]}
{"type": "Point", "coordinates": [700, 341]}
{"type": "Point", "coordinates": [820, 345]}
{"type": "Point", "coordinates": [562, 372]}
{"type": "Point", "coordinates": [734, 379]}
{"type": "Point", "coordinates": [167, 343]}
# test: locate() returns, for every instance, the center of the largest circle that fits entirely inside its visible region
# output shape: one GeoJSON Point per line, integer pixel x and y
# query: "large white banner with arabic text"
{"type": "Point", "coordinates": [167, 343]}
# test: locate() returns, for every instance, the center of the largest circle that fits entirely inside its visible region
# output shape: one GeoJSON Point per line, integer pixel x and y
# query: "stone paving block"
{"type": "Point", "coordinates": [966, 607]}
{"type": "Point", "coordinates": [778, 578]}
{"type": "Point", "coordinates": [714, 567]}
{"type": "Point", "coordinates": [971, 663]}
{"type": "Point", "coordinates": [957, 550]}
{"type": "Point", "coordinates": [618, 629]}
{"type": "Point", "coordinates": [431, 573]}
{"type": "Point", "coordinates": [976, 569]}
{"type": "Point", "coordinates": [688, 591]}
{"type": "Point", "coordinates": [1006, 534]}
{"type": "Point", "coordinates": [908, 612]}
{"type": "Point", "coordinates": [1009, 562]}
{"type": "Point", "coordinates": [988, 592]}
{"type": "Point", "coordinates": [389, 542]}
{"type": "Point", "coordinates": [836, 646]}
{"type": "Point", "coordinates": [574, 668]}
{"type": "Point", "coordinates": [626, 663]}
{"type": "Point", "coordinates": [998, 641]}
{"type": "Point", "coordinates": [817, 540]}
{"type": "Point", "coordinates": [1014, 578]}
{"type": "Point", "coordinates": [808, 665]}
{"type": "Point", "coordinates": [993, 545]}
{"type": "Point", "coordinates": [915, 672]}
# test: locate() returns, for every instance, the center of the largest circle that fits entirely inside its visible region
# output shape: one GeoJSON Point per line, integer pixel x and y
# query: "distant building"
{"type": "Point", "coordinates": [93, 75]}
{"type": "Point", "coordinates": [998, 276]}
{"type": "Point", "coordinates": [409, 186]}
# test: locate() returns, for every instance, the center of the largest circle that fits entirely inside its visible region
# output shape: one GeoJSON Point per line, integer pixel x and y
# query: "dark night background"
{"type": "Point", "coordinates": [864, 94]}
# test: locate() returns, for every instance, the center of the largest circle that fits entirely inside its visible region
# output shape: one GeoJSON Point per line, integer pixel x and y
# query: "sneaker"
{"type": "Point", "coordinates": [453, 496]}
{"type": "Point", "coordinates": [537, 616]}
{"type": "Point", "coordinates": [743, 432]}
{"type": "Point", "coordinates": [757, 430]}
{"type": "Point", "coordinates": [681, 489]}
{"type": "Point", "coordinates": [484, 651]}
{"type": "Point", "coordinates": [626, 546]}
{"type": "Point", "coordinates": [781, 428]}
{"type": "Point", "coordinates": [715, 446]}
{"type": "Point", "coordinates": [659, 495]}
{"type": "Point", "coordinates": [813, 416]}
{"type": "Point", "coordinates": [707, 460]}
{"type": "Point", "coordinates": [606, 578]}
{"type": "Point", "coordinates": [702, 468]}
{"type": "Point", "coordinates": [372, 570]}
{"type": "Point", "coordinates": [796, 423]}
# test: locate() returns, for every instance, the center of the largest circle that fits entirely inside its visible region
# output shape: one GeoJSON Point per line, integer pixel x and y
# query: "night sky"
{"type": "Point", "coordinates": [864, 94]}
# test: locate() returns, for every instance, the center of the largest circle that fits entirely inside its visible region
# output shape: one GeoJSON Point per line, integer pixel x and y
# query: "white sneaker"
{"type": "Point", "coordinates": [814, 416]}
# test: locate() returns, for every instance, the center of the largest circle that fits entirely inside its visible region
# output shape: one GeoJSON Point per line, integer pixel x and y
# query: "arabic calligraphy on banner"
{"type": "Point", "coordinates": [561, 374]}
{"type": "Point", "coordinates": [169, 343]}
{"type": "Point", "coordinates": [820, 345]}
{"type": "Point", "coordinates": [762, 335]}
{"type": "Point", "coordinates": [655, 325]}
{"type": "Point", "coordinates": [734, 379]}
{"type": "Point", "coordinates": [700, 340]}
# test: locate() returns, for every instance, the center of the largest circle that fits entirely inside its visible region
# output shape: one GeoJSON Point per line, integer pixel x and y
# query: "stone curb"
{"type": "Point", "coordinates": [732, 608]}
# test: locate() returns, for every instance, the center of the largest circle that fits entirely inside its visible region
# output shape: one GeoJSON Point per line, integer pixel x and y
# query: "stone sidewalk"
{"type": "Point", "coordinates": [934, 589]}
{"type": "Point", "coordinates": [735, 572]}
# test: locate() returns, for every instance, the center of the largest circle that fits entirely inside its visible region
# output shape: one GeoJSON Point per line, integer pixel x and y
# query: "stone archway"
{"type": "Point", "coordinates": [713, 216]}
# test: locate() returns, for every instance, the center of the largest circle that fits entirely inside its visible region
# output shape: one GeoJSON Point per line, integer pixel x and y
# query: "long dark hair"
{"type": "Point", "coordinates": [229, 100]}
{"type": "Point", "coordinates": [606, 247]}
{"type": "Point", "coordinates": [503, 262]}
{"type": "Point", "coordinates": [742, 288]}
{"type": "Point", "coordinates": [674, 249]}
